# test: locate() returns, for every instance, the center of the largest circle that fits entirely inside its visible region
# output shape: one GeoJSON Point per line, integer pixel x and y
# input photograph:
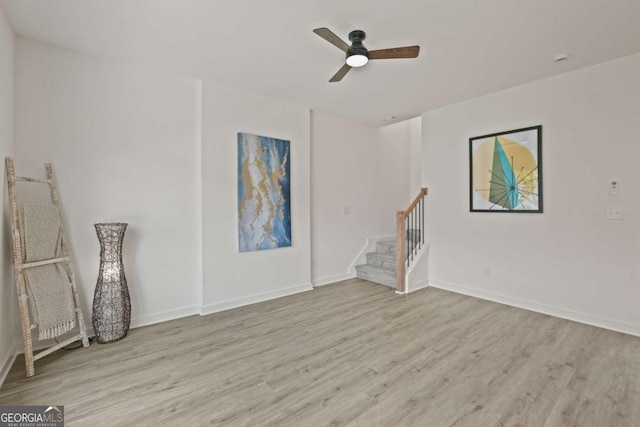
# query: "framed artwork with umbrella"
{"type": "Point", "coordinates": [505, 171]}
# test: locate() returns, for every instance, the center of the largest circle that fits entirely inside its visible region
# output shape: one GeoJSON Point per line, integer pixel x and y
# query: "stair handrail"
{"type": "Point", "coordinates": [407, 245]}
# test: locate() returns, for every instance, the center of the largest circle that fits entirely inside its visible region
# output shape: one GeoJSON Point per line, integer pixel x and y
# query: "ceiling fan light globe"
{"type": "Point", "coordinates": [357, 60]}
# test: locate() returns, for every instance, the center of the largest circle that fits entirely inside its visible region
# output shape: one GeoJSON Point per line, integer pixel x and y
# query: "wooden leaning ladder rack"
{"type": "Point", "coordinates": [20, 266]}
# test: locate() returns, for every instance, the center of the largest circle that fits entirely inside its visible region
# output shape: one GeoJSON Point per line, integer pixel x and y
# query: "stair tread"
{"type": "Point", "coordinates": [382, 255]}
{"type": "Point", "coordinates": [375, 268]}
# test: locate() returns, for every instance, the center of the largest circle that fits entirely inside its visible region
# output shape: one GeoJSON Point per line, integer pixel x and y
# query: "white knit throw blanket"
{"type": "Point", "coordinates": [48, 286]}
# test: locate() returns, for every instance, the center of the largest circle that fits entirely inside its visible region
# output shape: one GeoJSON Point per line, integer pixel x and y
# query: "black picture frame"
{"type": "Point", "coordinates": [505, 171]}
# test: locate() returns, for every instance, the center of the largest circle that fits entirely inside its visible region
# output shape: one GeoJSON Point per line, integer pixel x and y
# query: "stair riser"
{"type": "Point", "coordinates": [385, 262]}
{"type": "Point", "coordinates": [377, 277]}
{"type": "Point", "coordinates": [386, 247]}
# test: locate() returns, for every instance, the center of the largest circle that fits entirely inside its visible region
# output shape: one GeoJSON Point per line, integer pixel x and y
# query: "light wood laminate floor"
{"type": "Point", "coordinates": [353, 354]}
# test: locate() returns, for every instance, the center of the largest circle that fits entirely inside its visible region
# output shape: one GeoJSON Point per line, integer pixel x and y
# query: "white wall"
{"type": "Point", "coordinates": [8, 300]}
{"type": "Point", "coordinates": [362, 171]}
{"type": "Point", "coordinates": [232, 278]}
{"type": "Point", "coordinates": [415, 156]}
{"type": "Point", "coordinates": [124, 145]}
{"type": "Point", "coordinates": [393, 168]}
{"type": "Point", "coordinates": [569, 261]}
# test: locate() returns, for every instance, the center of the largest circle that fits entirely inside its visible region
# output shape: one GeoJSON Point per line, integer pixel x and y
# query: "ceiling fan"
{"type": "Point", "coordinates": [358, 55]}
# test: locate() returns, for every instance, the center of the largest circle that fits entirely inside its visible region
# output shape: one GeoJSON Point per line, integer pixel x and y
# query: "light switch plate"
{"type": "Point", "coordinates": [614, 187]}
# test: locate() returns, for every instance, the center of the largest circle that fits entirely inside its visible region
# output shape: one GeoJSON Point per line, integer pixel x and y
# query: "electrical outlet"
{"type": "Point", "coordinates": [614, 212]}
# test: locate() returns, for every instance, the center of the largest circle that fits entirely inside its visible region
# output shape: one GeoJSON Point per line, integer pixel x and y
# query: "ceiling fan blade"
{"type": "Point", "coordinates": [341, 73]}
{"type": "Point", "coordinates": [396, 52]}
{"type": "Point", "coordinates": [329, 36]}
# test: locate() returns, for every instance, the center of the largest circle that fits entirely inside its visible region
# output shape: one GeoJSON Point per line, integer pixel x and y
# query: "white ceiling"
{"type": "Point", "coordinates": [468, 47]}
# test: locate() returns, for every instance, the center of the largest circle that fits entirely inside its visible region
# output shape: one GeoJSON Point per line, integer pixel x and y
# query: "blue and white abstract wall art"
{"type": "Point", "coordinates": [264, 193]}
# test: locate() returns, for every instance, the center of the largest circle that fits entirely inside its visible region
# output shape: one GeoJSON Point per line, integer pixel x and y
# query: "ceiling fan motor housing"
{"type": "Point", "coordinates": [357, 48]}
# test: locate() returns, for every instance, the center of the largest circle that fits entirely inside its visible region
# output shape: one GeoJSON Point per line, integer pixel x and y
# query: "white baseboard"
{"type": "Point", "coordinates": [227, 305]}
{"type": "Point", "coordinates": [7, 362]}
{"type": "Point", "coordinates": [333, 279]}
{"type": "Point", "coordinates": [563, 313]}
{"type": "Point", "coordinates": [164, 316]}
{"type": "Point", "coordinates": [420, 285]}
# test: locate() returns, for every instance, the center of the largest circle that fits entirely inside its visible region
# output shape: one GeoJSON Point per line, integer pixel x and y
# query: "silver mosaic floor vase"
{"type": "Point", "coordinates": [111, 301]}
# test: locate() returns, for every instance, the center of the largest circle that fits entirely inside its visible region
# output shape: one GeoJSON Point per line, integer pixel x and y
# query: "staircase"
{"type": "Point", "coordinates": [394, 258]}
{"type": "Point", "coordinates": [381, 264]}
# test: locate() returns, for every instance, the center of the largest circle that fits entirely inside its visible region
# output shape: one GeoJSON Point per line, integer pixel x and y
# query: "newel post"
{"type": "Point", "coordinates": [400, 255]}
